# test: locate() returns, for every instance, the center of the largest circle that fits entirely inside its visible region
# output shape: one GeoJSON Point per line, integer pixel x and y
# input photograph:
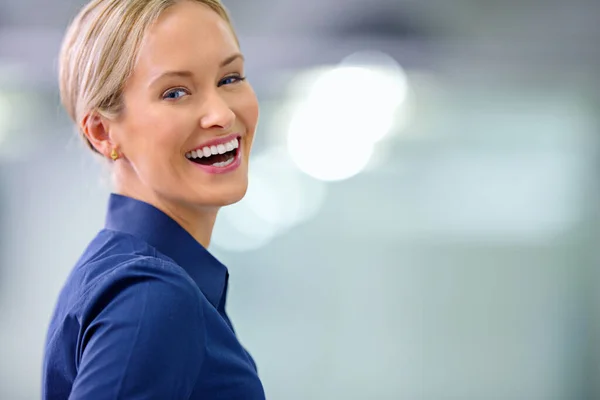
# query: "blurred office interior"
{"type": "Point", "coordinates": [423, 214]}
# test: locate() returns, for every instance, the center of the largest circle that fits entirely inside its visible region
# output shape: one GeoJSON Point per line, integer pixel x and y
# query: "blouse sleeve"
{"type": "Point", "coordinates": [142, 336]}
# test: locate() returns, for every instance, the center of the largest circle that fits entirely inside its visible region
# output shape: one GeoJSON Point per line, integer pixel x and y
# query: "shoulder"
{"type": "Point", "coordinates": [120, 268]}
{"type": "Point", "coordinates": [143, 278]}
{"type": "Point", "coordinates": [147, 298]}
{"type": "Point", "coordinates": [118, 272]}
{"type": "Point", "coordinates": [116, 261]}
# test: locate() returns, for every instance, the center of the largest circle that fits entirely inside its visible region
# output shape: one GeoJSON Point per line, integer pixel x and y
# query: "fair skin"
{"type": "Point", "coordinates": [166, 115]}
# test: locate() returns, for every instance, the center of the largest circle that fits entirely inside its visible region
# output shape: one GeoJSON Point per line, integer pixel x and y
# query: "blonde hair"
{"type": "Point", "coordinates": [100, 49]}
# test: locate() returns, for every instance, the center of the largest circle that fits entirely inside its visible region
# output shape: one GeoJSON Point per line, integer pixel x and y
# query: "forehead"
{"type": "Point", "coordinates": [186, 34]}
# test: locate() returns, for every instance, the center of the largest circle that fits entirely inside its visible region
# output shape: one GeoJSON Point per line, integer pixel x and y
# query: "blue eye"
{"type": "Point", "coordinates": [175, 94]}
{"type": "Point", "coordinates": [231, 79]}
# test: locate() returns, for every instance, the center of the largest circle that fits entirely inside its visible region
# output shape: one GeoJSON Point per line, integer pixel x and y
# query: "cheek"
{"type": "Point", "coordinates": [158, 132]}
{"type": "Point", "coordinates": [247, 111]}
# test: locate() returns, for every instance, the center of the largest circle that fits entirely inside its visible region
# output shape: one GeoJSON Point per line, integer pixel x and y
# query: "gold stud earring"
{"type": "Point", "coordinates": [114, 155]}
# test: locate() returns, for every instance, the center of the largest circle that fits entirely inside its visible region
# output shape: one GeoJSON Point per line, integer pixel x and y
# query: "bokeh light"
{"type": "Point", "coordinates": [280, 194]}
{"type": "Point", "coordinates": [344, 112]}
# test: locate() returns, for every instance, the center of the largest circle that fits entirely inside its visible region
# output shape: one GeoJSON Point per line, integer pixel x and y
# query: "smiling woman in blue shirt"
{"type": "Point", "coordinates": [157, 88]}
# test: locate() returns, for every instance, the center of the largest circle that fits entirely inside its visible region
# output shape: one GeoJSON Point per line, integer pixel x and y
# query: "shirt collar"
{"type": "Point", "coordinates": [150, 224]}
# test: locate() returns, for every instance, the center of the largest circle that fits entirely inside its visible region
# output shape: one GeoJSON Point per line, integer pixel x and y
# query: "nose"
{"type": "Point", "coordinates": [217, 114]}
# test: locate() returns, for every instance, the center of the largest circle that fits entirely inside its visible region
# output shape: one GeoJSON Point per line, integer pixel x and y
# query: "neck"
{"type": "Point", "coordinates": [197, 221]}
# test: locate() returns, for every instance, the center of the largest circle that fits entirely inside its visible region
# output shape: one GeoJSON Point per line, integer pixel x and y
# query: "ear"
{"type": "Point", "coordinates": [97, 131]}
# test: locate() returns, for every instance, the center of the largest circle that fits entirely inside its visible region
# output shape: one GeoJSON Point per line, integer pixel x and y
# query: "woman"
{"type": "Point", "coordinates": [157, 88]}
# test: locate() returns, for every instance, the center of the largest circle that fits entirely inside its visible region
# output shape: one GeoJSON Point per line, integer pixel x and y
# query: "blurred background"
{"type": "Point", "coordinates": [422, 220]}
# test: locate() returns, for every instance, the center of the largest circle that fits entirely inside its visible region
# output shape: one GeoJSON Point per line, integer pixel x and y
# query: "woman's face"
{"type": "Point", "coordinates": [189, 118]}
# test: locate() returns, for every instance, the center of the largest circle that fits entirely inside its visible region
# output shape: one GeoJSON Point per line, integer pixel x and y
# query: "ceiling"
{"type": "Point", "coordinates": [430, 18]}
{"type": "Point", "coordinates": [292, 34]}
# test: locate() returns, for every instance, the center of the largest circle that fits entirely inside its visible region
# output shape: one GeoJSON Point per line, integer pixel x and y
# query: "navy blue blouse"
{"type": "Point", "coordinates": [142, 316]}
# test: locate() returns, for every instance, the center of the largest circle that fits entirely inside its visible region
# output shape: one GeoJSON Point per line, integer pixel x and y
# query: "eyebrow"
{"type": "Point", "coordinates": [231, 59]}
{"type": "Point", "coordinates": [190, 74]}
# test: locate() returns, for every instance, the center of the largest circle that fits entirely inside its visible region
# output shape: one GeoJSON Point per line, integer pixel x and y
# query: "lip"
{"type": "Point", "coordinates": [222, 170]}
{"type": "Point", "coordinates": [218, 141]}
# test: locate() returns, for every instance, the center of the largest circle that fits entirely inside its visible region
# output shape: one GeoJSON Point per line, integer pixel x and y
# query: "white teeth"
{"type": "Point", "coordinates": [224, 163]}
{"type": "Point", "coordinates": [213, 150]}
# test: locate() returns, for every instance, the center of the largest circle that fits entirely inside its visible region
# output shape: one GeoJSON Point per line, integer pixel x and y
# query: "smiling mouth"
{"type": "Point", "coordinates": [219, 156]}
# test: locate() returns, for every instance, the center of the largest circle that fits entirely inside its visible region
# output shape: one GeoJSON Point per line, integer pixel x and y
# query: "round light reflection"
{"type": "Point", "coordinates": [346, 110]}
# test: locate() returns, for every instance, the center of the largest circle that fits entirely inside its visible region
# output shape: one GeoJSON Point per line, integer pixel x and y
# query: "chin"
{"type": "Point", "coordinates": [223, 196]}
{"type": "Point", "coordinates": [232, 198]}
